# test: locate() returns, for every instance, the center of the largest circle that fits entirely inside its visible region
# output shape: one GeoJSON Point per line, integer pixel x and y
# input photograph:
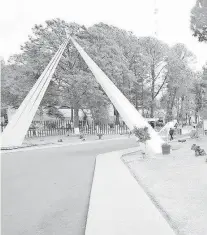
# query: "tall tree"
{"type": "Point", "coordinates": [155, 54]}
{"type": "Point", "coordinates": [72, 79]}
{"type": "Point", "coordinates": [102, 43]}
{"type": "Point", "coordinates": [200, 90]}
{"type": "Point", "coordinates": [179, 79]}
{"type": "Point", "coordinates": [14, 84]}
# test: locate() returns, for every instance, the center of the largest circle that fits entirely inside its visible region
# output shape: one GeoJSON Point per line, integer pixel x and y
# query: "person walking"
{"type": "Point", "coordinates": [68, 128]}
{"type": "Point", "coordinates": [180, 129]}
{"type": "Point", "coordinates": [171, 132]}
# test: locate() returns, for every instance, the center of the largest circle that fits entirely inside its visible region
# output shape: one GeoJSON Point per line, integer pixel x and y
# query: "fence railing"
{"type": "Point", "coordinates": [59, 127]}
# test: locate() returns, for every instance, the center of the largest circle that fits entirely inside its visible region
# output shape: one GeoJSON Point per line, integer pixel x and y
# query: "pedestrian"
{"type": "Point", "coordinates": [171, 132]}
{"type": "Point", "coordinates": [68, 128]}
{"type": "Point", "coordinates": [152, 124]}
{"type": "Point", "coordinates": [180, 129]}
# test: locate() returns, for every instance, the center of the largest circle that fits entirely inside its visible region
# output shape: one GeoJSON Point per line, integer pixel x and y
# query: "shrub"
{"type": "Point", "coordinates": [82, 136]}
{"type": "Point", "coordinates": [99, 135]}
{"type": "Point", "coordinates": [111, 125]}
{"type": "Point", "coordinates": [165, 145]}
{"type": "Point", "coordinates": [142, 134]}
{"type": "Point", "coordinates": [51, 125]}
{"type": "Point", "coordinates": [193, 147]}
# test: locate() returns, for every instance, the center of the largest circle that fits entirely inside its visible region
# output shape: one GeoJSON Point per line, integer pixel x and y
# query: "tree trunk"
{"type": "Point", "coordinates": [142, 101]}
{"type": "Point", "coordinates": [170, 105]}
{"type": "Point", "coordinates": [152, 92]}
{"type": "Point", "coordinates": [117, 121]}
{"type": "Point", "coordinates": [169, 115]}
{"type": "Point", "coordinates": [76, 120]}
{"type": "Point", "coordinates": [136, 97]}
{"type": "Point", "coordinates": [181, 109]}
{"type": "Point", "coordinates": [41, 113]}
{"type": "Point", "coordinates": [196, 117]}
{"type": "Point", "coordinates": [72, 114]}
{"type": "Point", "coordinates": [152, 111]}
{"type": "Point", "coordinates": [178, 109]}
{"type": "Point", "coordinates": [117, 116]}
{"type": "Point", "coordinates": [189, 120]}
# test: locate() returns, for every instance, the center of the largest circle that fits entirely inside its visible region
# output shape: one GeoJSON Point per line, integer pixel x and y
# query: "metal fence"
{"type": "Point", "coordinates": [59, 127]}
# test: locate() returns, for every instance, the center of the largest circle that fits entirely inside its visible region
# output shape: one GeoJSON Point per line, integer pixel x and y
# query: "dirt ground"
{"type": "Point", "coordinates": [177, 184]}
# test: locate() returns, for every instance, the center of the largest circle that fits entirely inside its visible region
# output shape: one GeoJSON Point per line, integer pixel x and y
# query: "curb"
{"type": "Point", "coordinates": [89, 199]}
{"type": "Point", "coordinates": [23, 147]}
{"type": "Point", "coordinates": [116, 193]}
{"type": "Point", "coordinates": [163, 212]}
{"type": "Point", "coordinates": [52, 145]}
{"type": "Point", "coordinates": [130, 151]}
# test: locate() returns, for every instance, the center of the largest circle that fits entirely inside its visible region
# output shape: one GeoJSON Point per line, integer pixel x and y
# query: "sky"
{"type": "Point", "coordinates": [173, 20]}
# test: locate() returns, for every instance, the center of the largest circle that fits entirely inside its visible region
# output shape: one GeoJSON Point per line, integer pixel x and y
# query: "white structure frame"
{"type": "Point", "coordinates": [17, 128]}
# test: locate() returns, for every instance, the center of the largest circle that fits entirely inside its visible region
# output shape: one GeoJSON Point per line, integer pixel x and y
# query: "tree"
{"type": "Point", "coordinates": [199, 20]}
{"type": "Point", "coordinates": [100, 115]}
{"type": "Point", "coordinates": [54, 112]}
{"type": "Point", "coordinates": [179, 78]}
{"type": "Point", "coordinates": [200, 92]}
{"type": "Point", "coordinates": [125, 60]}
{"type": "Point", "coordinates": [72, 81]}
{"type": "Point", "coordinates": [140, 67]}
{"type": "Point", "coordinates": [103, 44]}
{"type": "Point", "coordinates": [154, 53]}
{"type": "Point", "coordinates": [197, 91]}
{"type": "Point", "coordinates": [14, 85]}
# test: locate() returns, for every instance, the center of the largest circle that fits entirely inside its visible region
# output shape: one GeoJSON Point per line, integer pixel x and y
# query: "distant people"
{"type": "Point", "coordinates": [130, 133]}
{"type": "Point", "coordinates": [194, 133]}
{"type": "Point", "coordinates": [68, 126]}
{"type": "Point", "coordinates": [152, 124]}
{"type": "Point", "coordinates": [171, 133]}
{"type": "Point", "coordinates": [85, 120]}
{"type": "Point", "coordinates": [180, 129]}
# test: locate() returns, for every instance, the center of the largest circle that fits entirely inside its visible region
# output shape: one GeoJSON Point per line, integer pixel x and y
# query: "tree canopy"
{"type": "Point", "coordinates": [199, 20]}
{"type": "Point", "coordinates": [144, 69]}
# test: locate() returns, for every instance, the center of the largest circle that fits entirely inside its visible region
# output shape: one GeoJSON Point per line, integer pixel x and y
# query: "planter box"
{"type": "Point", "coordinates": [165, 149]}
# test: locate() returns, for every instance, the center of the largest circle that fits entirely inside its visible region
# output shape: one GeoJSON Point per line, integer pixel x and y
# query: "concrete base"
{"type": "Point", "coordinates": [118, 205]}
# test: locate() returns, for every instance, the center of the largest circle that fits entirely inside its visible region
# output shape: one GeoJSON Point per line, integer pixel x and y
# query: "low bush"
{"type": "Point", "coordinates": [100, 135]}
{"type": "Point", "coordinates": [143, 135]}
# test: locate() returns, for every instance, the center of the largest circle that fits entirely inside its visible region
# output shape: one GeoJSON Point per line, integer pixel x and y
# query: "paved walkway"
{"type": "Point", "coordinates": [46, 191]}
{"type": "Point", "coordinates": [118, 205]}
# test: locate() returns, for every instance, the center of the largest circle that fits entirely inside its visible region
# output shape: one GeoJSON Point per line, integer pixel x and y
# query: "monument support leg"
{"type": "Point", "coordinates": [15, 131]}
{"type": "Point", "coordinates": [128, 112]}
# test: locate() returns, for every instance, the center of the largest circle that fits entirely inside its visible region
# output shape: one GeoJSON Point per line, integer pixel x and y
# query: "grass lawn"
{"type": "Point", "coordinates": [177, 184]}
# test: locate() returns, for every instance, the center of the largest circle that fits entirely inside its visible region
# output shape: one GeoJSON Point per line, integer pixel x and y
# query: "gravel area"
{"type": "Point", "coordinates": [177, 184]}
